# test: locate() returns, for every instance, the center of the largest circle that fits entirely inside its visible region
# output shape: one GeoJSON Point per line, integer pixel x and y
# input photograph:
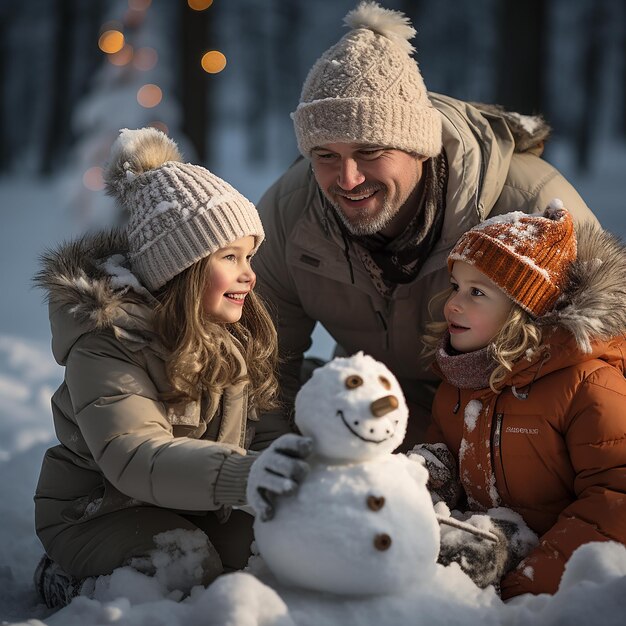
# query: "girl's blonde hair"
{"type": "Point", "coordinates": [519, 336]}
{"type": "Point", "coordinates": [201, 358]}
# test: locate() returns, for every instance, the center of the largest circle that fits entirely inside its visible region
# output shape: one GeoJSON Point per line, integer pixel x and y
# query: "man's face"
{"type": "Point", "coordinates": [373, 188]}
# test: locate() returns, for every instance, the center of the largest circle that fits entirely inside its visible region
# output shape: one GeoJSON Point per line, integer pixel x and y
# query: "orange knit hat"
{"type": "Point", "coordinates": [527, 256]}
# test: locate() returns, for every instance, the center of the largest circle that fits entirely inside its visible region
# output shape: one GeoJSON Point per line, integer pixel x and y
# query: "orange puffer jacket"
{"type": "Point", "coordinates": [552, 444]}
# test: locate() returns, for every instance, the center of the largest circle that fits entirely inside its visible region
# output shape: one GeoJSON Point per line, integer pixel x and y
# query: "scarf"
{"type": "Point", "coordinates": [465, 370]}
{"type": "Point", "coordinates": [398, 261]}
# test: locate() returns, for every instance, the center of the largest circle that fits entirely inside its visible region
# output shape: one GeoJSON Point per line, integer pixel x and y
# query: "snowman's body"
{"type": "Point", "coordinates": [378, 532]}
{"type": "Point", "coordinates": [362, 521]}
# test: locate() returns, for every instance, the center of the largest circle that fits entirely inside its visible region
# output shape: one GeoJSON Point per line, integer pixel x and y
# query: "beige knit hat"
{"type": "Point", "coordinates": [179, 212]}
{"type": "Point", "coordinates": [367, 89]}
{"type": "Point", "coordinates": [527, 256]}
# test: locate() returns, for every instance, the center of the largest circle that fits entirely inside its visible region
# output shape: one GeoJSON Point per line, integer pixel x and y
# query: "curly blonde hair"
{"type": "Point", "coordinates": [201, 358]}
{"type": "Point", "coordinates": [519, 336]}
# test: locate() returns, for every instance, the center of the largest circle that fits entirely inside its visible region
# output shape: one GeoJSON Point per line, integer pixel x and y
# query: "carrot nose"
{"type": "Point", "coordinates": [384, 405]}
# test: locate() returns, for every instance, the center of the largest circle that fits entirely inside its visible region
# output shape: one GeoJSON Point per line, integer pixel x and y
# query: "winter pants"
{"type": "Point", "coordinates": [99, 545]}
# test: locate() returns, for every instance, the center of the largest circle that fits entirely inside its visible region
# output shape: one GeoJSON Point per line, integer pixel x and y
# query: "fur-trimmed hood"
{"type": "Point", "coordinates": [593, 305]}
{"type": "Point", "coordinates": [89, 287]}
{"type": "Point", "coordinates": [589, 320]}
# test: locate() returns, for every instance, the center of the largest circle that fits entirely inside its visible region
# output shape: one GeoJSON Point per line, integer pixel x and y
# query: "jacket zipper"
{"type": "Point", "coordinates": [385, 327]}
{"type": "Point", "coordinates": [496, 448]}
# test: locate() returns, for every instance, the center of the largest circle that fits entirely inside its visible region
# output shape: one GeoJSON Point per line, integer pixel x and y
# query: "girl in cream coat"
{"type": "Point", "coordinates": [168, 354]}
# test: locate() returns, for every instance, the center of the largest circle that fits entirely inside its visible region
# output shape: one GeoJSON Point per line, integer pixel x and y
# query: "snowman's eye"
{"type": "Point", "coordinates": [354, 381]}
{"type": "Point", "coordinates": [384, 382]}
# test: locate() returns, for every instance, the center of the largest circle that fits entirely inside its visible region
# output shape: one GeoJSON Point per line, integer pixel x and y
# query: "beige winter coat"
{"type": "Point", "coordinates": [308, 273]}
{"type": "Point", "coordinates": [120, 445]}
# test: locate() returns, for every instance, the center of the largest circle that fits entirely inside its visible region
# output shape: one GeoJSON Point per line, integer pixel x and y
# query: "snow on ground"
{"type": "Point", "coordinates": [37, 214]}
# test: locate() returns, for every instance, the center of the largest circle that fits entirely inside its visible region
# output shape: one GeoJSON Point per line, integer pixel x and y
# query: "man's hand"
{"type": "Point", "coordinates": [277, 472]}
{"type": "Point", "coordinates": [443, 480]}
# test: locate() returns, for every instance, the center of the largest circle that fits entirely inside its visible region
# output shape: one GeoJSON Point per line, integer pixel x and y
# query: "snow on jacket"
{"type": "Point", "coordinates": [552, 444]}
{"type": "Point", "coordinates": [120, 445]}
{"type": "Point", "coordinates": [307, 272]}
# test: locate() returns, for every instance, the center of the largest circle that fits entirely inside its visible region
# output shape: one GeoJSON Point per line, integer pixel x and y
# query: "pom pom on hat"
{"type": "Point", "coordinates": [527, 256]}
{"type": "Point", "coordinates": [368, 89]}
{"type": "Point", "coordinates": [386, 22]}
{"type": "Point", "coordinates": [135, 152]}
{"type": "Point", "coordinates": [179, 212]}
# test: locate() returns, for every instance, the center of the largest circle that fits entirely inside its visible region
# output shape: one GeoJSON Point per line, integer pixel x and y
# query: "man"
{"type": "Point", "coordinates": [360, 228]}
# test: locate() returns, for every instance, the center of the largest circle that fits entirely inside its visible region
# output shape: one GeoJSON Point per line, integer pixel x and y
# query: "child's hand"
{"type": "Point", "coordinates": [484, 561]}
{"type": "Point", "coordinates": [443, 481]}
{"type": "Point", "coordinates": [278, 471]}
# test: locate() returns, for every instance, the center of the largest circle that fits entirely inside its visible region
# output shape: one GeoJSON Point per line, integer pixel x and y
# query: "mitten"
{"type": "Point", "coordinates": [483, 560]}
{"type": "Point", "coordinates": [277, 472]}
{"type": "Point", "coordinates": [443, 480]}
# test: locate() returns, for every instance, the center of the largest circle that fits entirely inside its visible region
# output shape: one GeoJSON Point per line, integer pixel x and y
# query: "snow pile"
{"type": "Point", "coordinates": [28, 378]}
{"type": "Point", "coordinates": [592, 592]}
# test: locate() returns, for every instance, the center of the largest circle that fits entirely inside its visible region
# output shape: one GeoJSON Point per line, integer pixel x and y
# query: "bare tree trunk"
{"type": "Point", "coordinates": [592, 77]}
{"type": "Point", "coordinates": [522, 55]}
{"type": "Point", "coordinates": [59, 112]}
{"type": "Point", "coordinates": [622, 121]}
{"type": "Point", "coordinates": [286, 60]}
{"type": "Point", "coordinates": [194, 33]}
{"type": "Point", "coordinates": [254, 39]}
{"type": "Point", "coordinates": [4, 148]}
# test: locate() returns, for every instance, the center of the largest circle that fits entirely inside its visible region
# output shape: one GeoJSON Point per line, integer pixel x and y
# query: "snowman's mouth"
{"type": "Point", "coordinates": [388, 432]}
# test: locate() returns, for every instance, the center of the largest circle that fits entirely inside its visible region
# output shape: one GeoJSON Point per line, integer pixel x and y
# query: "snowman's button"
{"type": "Point", "coordinates": [382, 541]}
{"type": "Point", "coordinates": [375, 503]}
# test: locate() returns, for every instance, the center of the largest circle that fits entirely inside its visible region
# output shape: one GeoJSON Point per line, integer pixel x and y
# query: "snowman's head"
{"type": "Point", "coordinates": [353, 408]}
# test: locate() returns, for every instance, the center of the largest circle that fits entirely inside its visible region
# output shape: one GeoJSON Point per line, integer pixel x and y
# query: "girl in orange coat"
{"type": "Point", "coordinates": [532, 406]}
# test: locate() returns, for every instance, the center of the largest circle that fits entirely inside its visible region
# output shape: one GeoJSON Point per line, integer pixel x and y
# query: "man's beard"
{"type": "Point", "coordinates": [362, 223]}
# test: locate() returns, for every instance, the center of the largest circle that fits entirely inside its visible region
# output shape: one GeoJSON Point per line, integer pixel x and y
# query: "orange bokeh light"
{"type": "Point", "coordinates": [123, 57]}
{"type": "Point", "coordinates": [213, 62]}
{"type": "Point", "coordinates": [149, 95]}
{"type": "Point", "coordinates": [199, 5]}
{"type": "Point", "coordinates": [93, 180]}
{"type": "Point", "coordinates": [145, 59]}
{"type": "Point", "coordinates": [111, 41]}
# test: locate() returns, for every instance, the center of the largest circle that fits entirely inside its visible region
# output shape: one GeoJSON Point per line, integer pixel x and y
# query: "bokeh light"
{"type": "Point", "coordinates": [123, 57]}
{"type": "Point", "coordinates": [111, 41]}
{"type": "Point", "coordinates": [145, 59]}
{"type": "Point", "coordinates": [199, 5]}
{"type": "Point", "coordinates": [93, 180]}
{"type": "Point", "coordinates": [139, 5]}
{"type": "Point", "coordinates": [162, 126]}
{"type": "Point", "coordinates": [149, 95]}
{"type": "Point", "coordinates": [134, 19]}
{"type": "Point", "coordinates": [213, 62]}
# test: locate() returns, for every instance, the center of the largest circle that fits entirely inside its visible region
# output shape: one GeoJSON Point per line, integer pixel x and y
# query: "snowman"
{"type": "Point", "coordinates": [361, 520]}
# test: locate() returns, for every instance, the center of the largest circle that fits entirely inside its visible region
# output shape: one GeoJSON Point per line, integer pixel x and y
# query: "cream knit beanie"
{"type": "Point", "coordinates": [179, 212]}
{"type": "Point", "coordinates": [367, 89]}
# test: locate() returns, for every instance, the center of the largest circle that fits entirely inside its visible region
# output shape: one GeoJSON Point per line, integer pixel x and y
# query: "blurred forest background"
{"type": "Point", "coordinates": [222, 76]}
{"type": "Point", "coordinates": [64, 97]}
